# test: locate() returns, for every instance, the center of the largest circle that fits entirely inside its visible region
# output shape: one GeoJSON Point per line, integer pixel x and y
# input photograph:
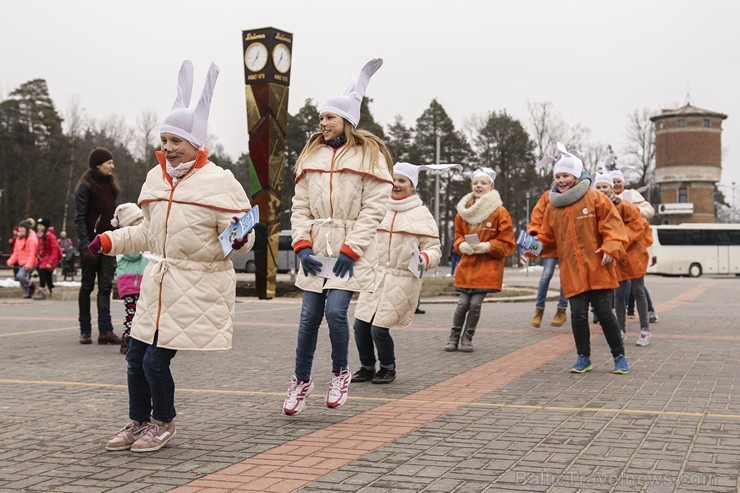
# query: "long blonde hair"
{"type": "Point", "coordinates": [355, 137]}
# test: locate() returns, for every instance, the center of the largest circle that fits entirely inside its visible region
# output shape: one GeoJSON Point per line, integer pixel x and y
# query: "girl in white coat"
{"type": "Point", "coordinates": [188, 288]}
{"type": "Point", "coordinates": [343, 181]}
{"type": "Point", "coordinates": [407, 223]}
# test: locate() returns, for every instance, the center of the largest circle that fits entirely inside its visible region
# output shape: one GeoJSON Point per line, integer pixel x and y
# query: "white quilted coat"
{"type": "Point", "coordinates": [340, 198]}
{"type": "Point", "coordinates": [394, 300]}
{"type": "Point", "coordinates": [188, 288]}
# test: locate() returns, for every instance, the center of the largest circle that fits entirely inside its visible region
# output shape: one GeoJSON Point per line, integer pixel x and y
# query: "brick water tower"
{"type": "Point", "coordinates": [688, 163]}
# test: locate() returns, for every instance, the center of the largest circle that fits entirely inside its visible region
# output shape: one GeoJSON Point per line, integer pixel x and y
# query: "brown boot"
{"type": "Point", "coordinates": [454, 339]}
{"type": "Point", "coordinates": [466, 341]}
{"type": "Point", "coordinates": [537, 318]}
{"type": "Point", "coordinates": [108, 337]}
{"type": "Point", "coordinates": [560, 318]}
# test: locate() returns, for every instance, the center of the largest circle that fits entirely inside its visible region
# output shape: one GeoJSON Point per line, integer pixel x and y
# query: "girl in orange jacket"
{"type": "Point", "coordinates": [588, 234]}
{"type": "Point", "coordinates": [633, 265]}
{"type": "Point", "coordinates": [481, 269]}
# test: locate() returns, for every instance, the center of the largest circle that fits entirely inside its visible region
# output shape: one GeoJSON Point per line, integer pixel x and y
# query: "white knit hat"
{"type": "Point", "coordinates": [568, 163]}
{"type": "Point", "coordinates": [605, 176]}
{"type": "Point", "coordinates": [347, 105]}
{"type": "Point", "coordinates": [487, 172]}
{"type": "Point", "coordinates": [125, 215]}
{"type": "Point", "coordinates": [190, 123]}
{"type": "Point", "coordinates": [411, 171]}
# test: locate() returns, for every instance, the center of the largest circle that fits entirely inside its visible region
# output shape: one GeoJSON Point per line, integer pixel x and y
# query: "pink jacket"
{"type": "Point", "coordinates": [25, 251]}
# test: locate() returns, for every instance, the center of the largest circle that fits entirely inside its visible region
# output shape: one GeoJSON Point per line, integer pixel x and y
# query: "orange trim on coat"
{"type": "Point", "coordinates": [345, 170]}
{"type": "Point", "coordinates": [301, 245]}
{"type": "Point", "coordinates": [105, 243]}
{"type": "Point", "coordinates": [349, 252]}
{"type": "Point", "coordinates": [403, 232]}
{"type": "Point", "coordinates": [184, 202]}
{"type": "Point", "coordinates": [200, 160]}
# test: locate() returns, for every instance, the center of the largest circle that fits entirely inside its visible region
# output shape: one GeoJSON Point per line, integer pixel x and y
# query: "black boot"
{"type": "Point", "coordinates": [454, 339]}
{"type": "Point", "coordinates": [466, 342]}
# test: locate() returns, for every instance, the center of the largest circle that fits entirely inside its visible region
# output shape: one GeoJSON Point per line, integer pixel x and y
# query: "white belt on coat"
{"type": "Point", "coordinates": [331, 223]}
{"type": "Point", "coordinates": [162, 265]}
{"type": "Point", "coordinates": [159, 268]}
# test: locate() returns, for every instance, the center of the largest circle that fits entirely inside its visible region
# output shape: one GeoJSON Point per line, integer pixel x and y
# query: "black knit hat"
{"type": "Point", "coordinates": [98, 156]}
{"type": "Point", "coordinates": [25, 224]}
{"type": "Point", "coordinates": [43, 221]}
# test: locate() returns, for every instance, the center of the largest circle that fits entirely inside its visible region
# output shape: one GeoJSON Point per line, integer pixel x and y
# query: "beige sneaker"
{"type": "Point", "coordinates": [126, 436]}
{"type": "Point", "coordinates": [155, 436]}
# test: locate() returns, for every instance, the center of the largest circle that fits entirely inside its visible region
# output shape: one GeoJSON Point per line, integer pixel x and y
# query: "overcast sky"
{"type": "Point", "coordinates": [596, 61]}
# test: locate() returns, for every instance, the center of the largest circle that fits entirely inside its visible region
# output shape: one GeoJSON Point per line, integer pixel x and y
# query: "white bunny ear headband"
{"type": "Point", "coordinates": [411, 171]}
{"type": "Point", "coordinates": [569, 161]}
{"type": "Point", "coordinates": [347, 105]}
{"type": "Point", "coordinates": [191, 123]}
{"type": "Point", "coordinates": [604, 176]}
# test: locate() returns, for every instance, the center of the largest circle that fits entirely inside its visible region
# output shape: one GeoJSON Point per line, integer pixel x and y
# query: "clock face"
{"type": "Point", "coordinates": [281, 58]}
{"type": "Point", "coordinates": [255, 57]}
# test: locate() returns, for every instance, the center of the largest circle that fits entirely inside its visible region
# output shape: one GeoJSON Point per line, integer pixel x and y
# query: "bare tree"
{"type": "Point", "coordinates": [544, 127]}
{"type": "Point", "coordinates": [75, 120]}
{"type": "Point", "coordinates": [639, 150]}
{"type": "Point", "coordinates": [146, 133]}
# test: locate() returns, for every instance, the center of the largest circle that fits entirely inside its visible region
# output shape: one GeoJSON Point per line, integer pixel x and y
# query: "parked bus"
{"type": "Point", "coordinates": [286, 261]}
{"type": "Point", "coordinates": [695, 249]}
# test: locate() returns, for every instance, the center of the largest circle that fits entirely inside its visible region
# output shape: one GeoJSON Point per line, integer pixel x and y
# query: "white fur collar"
{"type": "Point", "coordinates": [404, 204]}
{"type": "Point", "coordinates": [481, 209]}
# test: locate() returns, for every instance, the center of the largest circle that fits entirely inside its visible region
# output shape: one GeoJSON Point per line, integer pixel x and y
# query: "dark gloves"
{"type": "Point", "coordinates": [237, 243]}
{"type": "Point", "coordinates": [94, 247]}
{"type": "Point", "coordinates": [310, 264]}
{"type": "Point", "coordinates": [345, 264]}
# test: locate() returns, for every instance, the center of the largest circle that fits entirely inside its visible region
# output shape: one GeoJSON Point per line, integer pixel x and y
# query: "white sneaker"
{"type": "Point", "coordinates": [295, 401]}
{"type": "Point", "coordinates": [337, 394]}
{"type": "Point", "coordinates": [644, 338]}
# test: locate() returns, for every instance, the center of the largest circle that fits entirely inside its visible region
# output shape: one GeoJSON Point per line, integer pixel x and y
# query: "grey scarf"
{"type": "Point", "coordinates": [571, 196]}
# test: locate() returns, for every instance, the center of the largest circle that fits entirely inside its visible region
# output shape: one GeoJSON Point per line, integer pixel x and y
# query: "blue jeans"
{"type": "Point", "coordinates": [151, 389]}
{"type": "Point", "coordinates": [23, 276]}
{"type": "Point", "coordinates": [368, 337]}
{"type": "Point", "coordinates": [601, 300]}
{"type": "Point", "coordinates": [334, 304]}
{"type": "Point", "coordinates": [548, 269]}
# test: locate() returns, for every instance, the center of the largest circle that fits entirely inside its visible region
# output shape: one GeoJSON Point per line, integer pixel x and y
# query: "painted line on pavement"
{"type": "Point", "coordinates": [408, 400]}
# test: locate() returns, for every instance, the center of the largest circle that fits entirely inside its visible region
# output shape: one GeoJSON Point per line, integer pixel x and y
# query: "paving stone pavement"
{"type": "Point", "coordinates": [507, 417]}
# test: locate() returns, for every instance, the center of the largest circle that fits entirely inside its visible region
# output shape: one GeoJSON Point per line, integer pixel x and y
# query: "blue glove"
{"type": "Point", "coordinates": [344, 265]}
{"type": "Point", "coordinates": [310, 265]}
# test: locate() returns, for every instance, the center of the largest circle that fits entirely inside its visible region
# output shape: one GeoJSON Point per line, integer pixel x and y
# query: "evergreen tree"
{"type": "Point", "coordinates": [33, 152]}
{"type": "Point", "coordinates": [399, 140]}
{"type": "Point", "coordinates": [454, 148]}
{"type": "Point", "coordinates": [502, 143]}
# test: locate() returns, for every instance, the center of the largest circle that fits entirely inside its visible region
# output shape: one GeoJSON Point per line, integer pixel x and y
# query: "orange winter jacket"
{"type": "Point", "coordinates": [577, 231]}
{"type": "Point", "coordinates": [490, 220]}
{"type": "Point", "coordinates": [535, 222]}
{"type": "Point", "coordinates": [634, 264]}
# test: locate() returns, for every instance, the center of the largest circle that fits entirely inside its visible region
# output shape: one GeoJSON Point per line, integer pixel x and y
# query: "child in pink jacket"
{"type": "Point", "coordinates": [25, 256]}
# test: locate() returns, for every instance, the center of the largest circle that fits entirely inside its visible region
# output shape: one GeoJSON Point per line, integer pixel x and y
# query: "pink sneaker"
{"type": "Point", "coordinates": [155, 436]}
{"type": "Point", "coordinates": [126, 436]}
{"type": "Point", "coordinates": [295, 401]}
{"type": "Point", "coordinates": [338, 387]}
